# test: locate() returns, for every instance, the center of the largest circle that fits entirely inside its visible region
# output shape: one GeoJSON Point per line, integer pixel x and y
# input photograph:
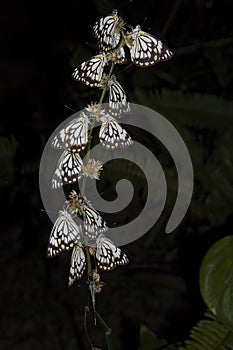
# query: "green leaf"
{"type": "Point", "coordinates": [209, 334]}
{"type": "Point", "coordinates": [216, 280]}
{"type": "Point", "coordinates": [149, 340]}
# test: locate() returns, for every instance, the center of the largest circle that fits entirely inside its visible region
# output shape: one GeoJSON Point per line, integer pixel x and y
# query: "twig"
{"type": "Point", "coordinates": [86, 310]}
{"type": "Point", "coordinates": [106, 328]}
{"type": "Point", "coordinates": [192, 48]}
{"type": "Point", "coordinates": [170, 18]}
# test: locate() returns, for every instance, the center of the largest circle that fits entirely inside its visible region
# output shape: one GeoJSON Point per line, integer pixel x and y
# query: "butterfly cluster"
{"type": "Point", "coordinates": [79, 225]}
{"type": "Point", "coordinates": [66, 234]}
{"type": "Point", "coordinates": [113, 35]}
{"type": "Point", "coordinates": [73, 138]}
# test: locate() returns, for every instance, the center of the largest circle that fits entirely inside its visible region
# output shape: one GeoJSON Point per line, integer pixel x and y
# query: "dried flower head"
{"type": "Point", "coordinates": [92, 250]}
{"type": "Point", "coordinates": [95, 110]}
{"type": "Point", "coordinates": [74, 202]}
{"type": "Point", "coordinates": [94, 275]}
{"type": "Point", "coordinates": [99, 286]}
{"type": "Point", "coordinates": [92, 169]}
{"type": "Point", "coordinates": [117, 56]}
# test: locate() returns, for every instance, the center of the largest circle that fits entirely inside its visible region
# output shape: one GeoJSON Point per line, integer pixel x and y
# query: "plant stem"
{"type": "Point", "coordinates": [89, 265]}
{"type": "Point", "coordinates": [92, 127]}
{"type": "Point", "coordinates": [106, 328]}
{"type": "Point", "coordinates": [86, 309]}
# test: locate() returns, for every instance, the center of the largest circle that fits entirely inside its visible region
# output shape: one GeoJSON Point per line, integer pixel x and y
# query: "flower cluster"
{"type": "Point", "coordinates": [88, 238]}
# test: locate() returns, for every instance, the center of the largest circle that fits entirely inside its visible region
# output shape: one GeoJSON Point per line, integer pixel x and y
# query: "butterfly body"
{"type": "Point", "coordinates": [146, 49]}
{"type": "Point", "coordinates": [108, 256]}
{"type": "Point", "coordinates": [90, 72]}
{"type": "Point", "coordinates": [93, 221]}
{"type": "Point", "coordinates": [75, 133]}
{"type": "Point", "coordinates": [77, 264]}
{"type": "Point", "coordinates": [117, 98]}
{"type": "Point", "coordinates": [107, 31]}
{"type": "Point", "coordinates": [68, 168]}
{"type": "Point", "coordinates": [64, 234]}
{"type": "Point", "coordinates": [112, 135]}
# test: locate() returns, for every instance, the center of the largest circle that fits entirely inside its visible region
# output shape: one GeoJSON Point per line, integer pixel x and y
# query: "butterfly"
{"type": "Point", "coordinates": [108, 256]}
{"type": "Point", "coordinates": [77, 263]}
{"type": "Point", "coordinates": [64, 234]}
{"type": "Point", "coordinates": [90, 72]}
{"type": "Point", "coordinates": [107, 31]}
{"type": "Point", "coordinates": [74, 133]}
{"type": "Point", "coordinates": [112, 134]}
{"type": "Point", "coordinates": [145, 49]}
{"type": "Point", "coordinates": [92, 220]}
{"type": "Point", "coordinates": [68, 168]}
{"type": "Point", "coordinates": [117, 98]}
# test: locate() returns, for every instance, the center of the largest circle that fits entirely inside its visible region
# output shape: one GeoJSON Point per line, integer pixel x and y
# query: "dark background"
{"type": "Point", "coordinates": [41, 43]}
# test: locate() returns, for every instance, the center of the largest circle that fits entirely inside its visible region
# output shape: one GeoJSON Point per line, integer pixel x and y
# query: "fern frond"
{"type": "Point", "coordinates": [209, 334]}
{"type": "Point", "coordinates": [190, 109]}
{"type": "Point", "coordinates": [8, 146]}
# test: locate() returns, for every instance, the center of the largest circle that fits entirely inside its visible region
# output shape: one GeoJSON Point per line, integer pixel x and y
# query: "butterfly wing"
{"type": "Point", "coordinates": [64, 234]}
{"type": "Point", "coordinates": [73, 134]}
{"type": "Point", "coordinates": [93, 221]}
{"type": "Point", "coordinates": [77, 264]}
{"type": "Point", "coordinates": [108, 256]}
{"type": "Point", "coordinates": [106, 31]}
{"type": "Point", "coordinates": [90, 72]}
{"type": "Point", "coordinates": [147, 50]}
{"type": "Point", "coordinates": [121, 59]}
{"type": "Point", "coordinates": [117, 98]}
{"type": "Point", "coordinates": [68, 168]}
{"type": "Point", "coordinates": [112, 135]}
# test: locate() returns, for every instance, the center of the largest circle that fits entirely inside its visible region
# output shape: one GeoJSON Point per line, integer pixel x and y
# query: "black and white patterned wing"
{"type": "Point", "coordinates": [64, 234]}
{"type": "Point", "coordinates": [68, 168]}
{"type": "Point", "coordinates": [90, 72]}
{"type": "Point", "coordinates": [146, 50]}
{"type": "Point", "coordinates": [77, 264]}
{"type": "Point", "coordinates": [121, 59]}
{"type": "Point", "coordinates": [117, 98]}
{"type": "Point", "coordinates": [75, 133]}
{"type": "Point", "coordinates": [112, 135]}
{"type": "Point", "coordinates": [93, 221]}
{"type": "Point", "coordinates": [107, 31]}
{"type": "Point", "coordinates": [108, 256]}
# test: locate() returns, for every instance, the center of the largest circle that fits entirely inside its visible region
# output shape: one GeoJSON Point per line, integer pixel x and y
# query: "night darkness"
{"type": "Point", "coordinates": [41, 43]}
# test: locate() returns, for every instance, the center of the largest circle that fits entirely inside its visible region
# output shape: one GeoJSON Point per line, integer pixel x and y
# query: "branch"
{"type": "Point", "coordinates": [170, 18]}
{"type": "Point", "coordinates": [192, 48]}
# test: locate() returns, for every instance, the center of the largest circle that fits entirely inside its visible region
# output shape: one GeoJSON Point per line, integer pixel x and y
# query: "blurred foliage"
{"type": "Point", "coordinates": [209, 334]}
{"type": "Point", "coordinates": [216, 280]}
{"type": "Point", "coordinates": [214, 332]}
{"type": "Point", "coordinates": [149, 341]}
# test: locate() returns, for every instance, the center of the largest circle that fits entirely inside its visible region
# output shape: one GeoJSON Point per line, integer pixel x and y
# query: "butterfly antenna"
{"type": "Point", "coordinates": [49, 211]}
{"type": "Point", "coordinates": [129, 65]}
{"type": "Point", "coordinates": [71, 109]}
{"type": "Point", "coordinates": [91, 45]}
